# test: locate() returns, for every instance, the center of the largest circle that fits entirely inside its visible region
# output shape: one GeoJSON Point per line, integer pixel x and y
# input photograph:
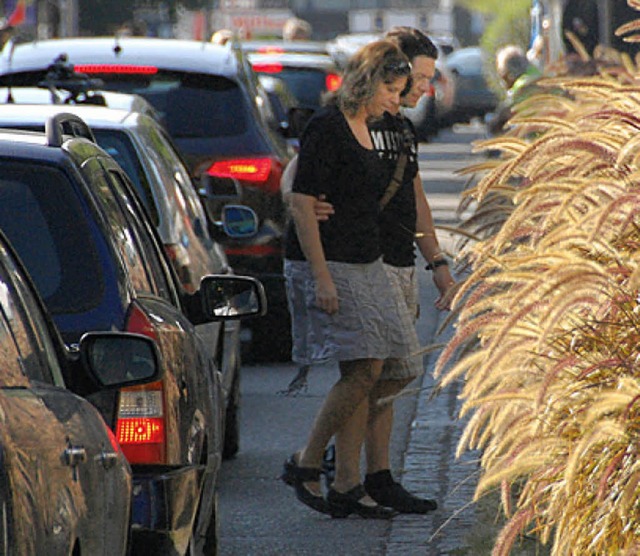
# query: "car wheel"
{"type": "Point", "coordinates": [232, 420]}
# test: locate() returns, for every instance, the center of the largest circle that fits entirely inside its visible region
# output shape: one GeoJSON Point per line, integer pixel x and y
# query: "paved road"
{"type": "Point", "coordinates": [260, 515]}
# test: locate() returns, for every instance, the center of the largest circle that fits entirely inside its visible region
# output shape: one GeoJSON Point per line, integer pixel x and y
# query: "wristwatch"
{"type": "Point", "coordinates": [435, 264]}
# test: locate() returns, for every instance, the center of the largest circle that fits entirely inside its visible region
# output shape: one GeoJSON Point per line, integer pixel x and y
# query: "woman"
{"type": "Point", "coordinates": [346, 313]}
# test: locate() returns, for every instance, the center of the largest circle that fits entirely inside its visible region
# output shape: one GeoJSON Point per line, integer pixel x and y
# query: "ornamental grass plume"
{"type": "Point", "coordinates": [552, 308]}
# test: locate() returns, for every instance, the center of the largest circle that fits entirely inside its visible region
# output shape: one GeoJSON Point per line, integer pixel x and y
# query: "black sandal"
{"type": "Point", "coordinates": [295, 476]}
{"type": "Point", "coordinates": [343, 504]}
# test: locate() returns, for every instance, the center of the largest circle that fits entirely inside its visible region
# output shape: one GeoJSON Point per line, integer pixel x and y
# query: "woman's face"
{"type": "Point", "coordinates": [386, 98]}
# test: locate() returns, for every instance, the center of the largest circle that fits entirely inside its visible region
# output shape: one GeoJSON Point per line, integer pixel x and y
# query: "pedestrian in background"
{"type": "Point", "coordinates": [344, 313]}
{"type": "Point", "coordinates": [518, 77]}
{"type": "Point", "coordinates": [296, 29]}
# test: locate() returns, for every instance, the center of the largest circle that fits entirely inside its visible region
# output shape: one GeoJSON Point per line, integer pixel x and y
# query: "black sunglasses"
{"type": "Point", "coordinates": [398, 67]}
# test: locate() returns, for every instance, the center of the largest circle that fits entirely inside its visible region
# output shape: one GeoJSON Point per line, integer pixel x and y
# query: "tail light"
{"type": "Point", "coordinates": [141, 426]}
{"type": "Point", "coordinates": [260, 172]}
{"type": "Point", "coordinates": [333, 81]}
{"type": "Point", "coordinates": [116, 68]}
{"type": "Point", "coordinates": [267, 68]}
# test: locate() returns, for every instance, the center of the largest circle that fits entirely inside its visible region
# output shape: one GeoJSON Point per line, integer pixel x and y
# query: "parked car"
{"type": "Point", "coordinates": [306, 67]}
{"type": "Point", "coordinates": [473, 95]}
{"type": "Point", "coordinates": [83, 234]}
{"type": "Point", "coordinates": [220, 120]}
{"type": "Point", "coordinates": [140, 145]}
{"type": "Point", "coordinates": [65, 485]}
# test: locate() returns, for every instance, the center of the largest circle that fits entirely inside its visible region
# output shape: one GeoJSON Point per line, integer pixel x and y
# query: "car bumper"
{"type": "Point", "coordinates": [164, 508]}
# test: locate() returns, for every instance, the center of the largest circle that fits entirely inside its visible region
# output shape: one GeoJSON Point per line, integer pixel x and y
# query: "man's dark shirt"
{"type": "Point", "coordinates": [398, 219]}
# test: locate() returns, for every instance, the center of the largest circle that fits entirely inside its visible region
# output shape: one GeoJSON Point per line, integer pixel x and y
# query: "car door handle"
{"type": "Point", "coordinates": [74, 455]}
{"type": "Point", "coordinates": [108, 459]}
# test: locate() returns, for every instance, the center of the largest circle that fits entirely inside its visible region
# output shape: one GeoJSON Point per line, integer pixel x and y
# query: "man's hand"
{"type": "Point", "coordinates": [445, 283]}
{"type": "Point", "coordinates": [322, 209]}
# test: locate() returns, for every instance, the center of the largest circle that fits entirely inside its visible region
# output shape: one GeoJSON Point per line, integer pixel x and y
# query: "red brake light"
{"type": "Point", "coordinates": [116, 68]}
{"type": "Point", "coordinates": [267, 68]}
{"type": "Point", "coordinates": [262, 172]}
{"type": "Point", "coordinates": [140, 427]}
{"type": "Point", "coordinates": [333, 81]}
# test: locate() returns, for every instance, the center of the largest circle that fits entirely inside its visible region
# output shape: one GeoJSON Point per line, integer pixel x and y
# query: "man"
{"type": "Point", "coordinates": [518, 77]}
{"type": "Point", "coordinates": [406, 222]}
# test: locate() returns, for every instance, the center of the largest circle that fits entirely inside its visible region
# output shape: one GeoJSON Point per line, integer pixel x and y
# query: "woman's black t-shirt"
{"type": "Point", "coordinates": [398, 219]}
{"type": "Point", "coordinates": [332, 162]}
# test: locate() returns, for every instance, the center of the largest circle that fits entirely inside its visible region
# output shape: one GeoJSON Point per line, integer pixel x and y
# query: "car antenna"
{"type": "Point", "coordinates": [116, 47]}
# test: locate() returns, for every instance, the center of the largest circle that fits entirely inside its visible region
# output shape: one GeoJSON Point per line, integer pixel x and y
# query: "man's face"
{"type": "Point", "coordinates": [423, 69]}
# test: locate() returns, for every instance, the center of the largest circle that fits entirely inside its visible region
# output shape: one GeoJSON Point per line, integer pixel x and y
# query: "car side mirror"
{"type": "Point", "coordinates": [216, 188]}
{"type": "Point", "coordinates": [239, 221]}
{"type": "Point", "coordinates": [226, 297]}
{"type": "Point", "coordinates": [232, 297]}
{"type": "Point", "coordinates": [120, 359]}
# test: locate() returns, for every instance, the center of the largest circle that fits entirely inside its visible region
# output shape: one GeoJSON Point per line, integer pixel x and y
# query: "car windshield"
{"type": "Point", "coordinates": [42, 218]}
{"type": "Point", "coordinates": [190, 104]}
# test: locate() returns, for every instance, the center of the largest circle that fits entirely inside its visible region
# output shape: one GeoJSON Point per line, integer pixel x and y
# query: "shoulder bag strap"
{"type": "Point", "coordinates": [398, 174]}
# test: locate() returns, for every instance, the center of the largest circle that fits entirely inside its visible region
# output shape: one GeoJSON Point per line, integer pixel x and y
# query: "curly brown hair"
{"type": "Point", "coordinates": [377, 62]}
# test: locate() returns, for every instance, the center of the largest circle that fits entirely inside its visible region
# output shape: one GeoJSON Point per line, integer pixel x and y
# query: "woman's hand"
{"type": "Point", "coordinates": [326, 294]}
{"type": "Point", "coordinates": [445, 283]}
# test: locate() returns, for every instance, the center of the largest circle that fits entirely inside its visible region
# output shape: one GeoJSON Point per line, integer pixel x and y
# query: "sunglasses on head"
{"type": "Point", "coordinates": [398, 67]}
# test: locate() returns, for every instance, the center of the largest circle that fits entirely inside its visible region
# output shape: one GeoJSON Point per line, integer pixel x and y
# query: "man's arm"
{"type": "Point", "coordinates": [427, 242]}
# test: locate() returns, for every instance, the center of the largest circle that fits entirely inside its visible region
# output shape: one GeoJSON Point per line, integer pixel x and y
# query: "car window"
{"type": "Point", "coordinates": [307, 85]}
{"type": "Point", "coordinates": [119, 145]}
{"type": "Point", "coordinates": [34, 351]}
{"type": "Point", "coordinates": [176, 174]}
{"type": "Point", "coordinates": [43, 218]}
{"type": "Point", "coordinates": [146, 249]}
{"type": "Point", "coordinates": [120, 231]}
{"type": "Point", "coordinates": [190, 104]}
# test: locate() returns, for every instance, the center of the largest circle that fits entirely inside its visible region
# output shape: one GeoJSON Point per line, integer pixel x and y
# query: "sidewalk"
{"type": "Point", "coordinates": [459, 527]}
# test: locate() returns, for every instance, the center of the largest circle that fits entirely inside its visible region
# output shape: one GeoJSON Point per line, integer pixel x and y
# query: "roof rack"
{"type": "Point", "coordinates": [61, 76]}
{"type": "Point", "coordinates": [66, 124]}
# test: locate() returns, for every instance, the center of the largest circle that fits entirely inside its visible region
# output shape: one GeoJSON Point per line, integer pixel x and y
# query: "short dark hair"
{"type": "Point", "coordinates": [412, 42]}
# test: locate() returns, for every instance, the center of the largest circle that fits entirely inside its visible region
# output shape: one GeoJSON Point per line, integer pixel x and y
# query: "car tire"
{"type": "Point", "coordinates": [231, 443]}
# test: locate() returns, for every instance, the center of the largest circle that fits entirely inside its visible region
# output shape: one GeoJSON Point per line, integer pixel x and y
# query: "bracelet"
{"type": "Point", "coordinates": [435, 264]}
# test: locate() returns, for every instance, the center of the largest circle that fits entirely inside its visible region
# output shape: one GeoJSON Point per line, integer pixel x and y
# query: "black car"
{"type": "Point", "coordinates": [65, 485]}
{"type": "Point", "coordinates": [75, 220]}
{"type": "Point", "coordinates": [220, 119]}
{"type": "Point", "coordinates": [305, 67]}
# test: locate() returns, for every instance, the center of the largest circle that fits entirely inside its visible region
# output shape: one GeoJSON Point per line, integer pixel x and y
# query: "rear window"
{"type": "Point", "coordinates": [191, 105]}
{"type": "Point", "coordinates": [307, 85]}
{"type": "Point", "coordinates": [42, 217]}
